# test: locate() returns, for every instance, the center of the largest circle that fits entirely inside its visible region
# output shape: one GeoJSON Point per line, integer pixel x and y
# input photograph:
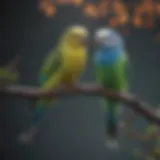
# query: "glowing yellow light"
{"type": "Point", "coordinates": [137, 21]}
{"type": "Point", "coordinates": [102, 8]}
{"type": "Point", "coordinates": [64, 2]}
{"type": "Point", "coordinates": [114, 22]}
{"type": "Point", "coordinates": [158, 7]}
{"type": "Point", "coordinates": [124, 18]}
{"type": "Point", "coordinates": [51, 11]}
{"type": "Point", "coordinates": [47, 8]}
{"type": "Point", "coordinates": [91, 10]}
{"type": "Point", "coordinates": [78, 3]}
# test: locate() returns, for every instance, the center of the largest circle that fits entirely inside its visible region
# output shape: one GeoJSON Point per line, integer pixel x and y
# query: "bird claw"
{"type": "Point", "coordinates": [27, 137]}
{"type": "Point", "coordinates": [112, 143]}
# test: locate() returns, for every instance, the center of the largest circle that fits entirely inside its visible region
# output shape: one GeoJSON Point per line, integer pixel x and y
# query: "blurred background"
{"type": "Point", "coordinates": [30, 28]}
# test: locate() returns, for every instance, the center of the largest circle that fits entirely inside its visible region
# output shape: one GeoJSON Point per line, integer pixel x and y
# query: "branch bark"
{"type": "Point", "coordinates": [88, 90]}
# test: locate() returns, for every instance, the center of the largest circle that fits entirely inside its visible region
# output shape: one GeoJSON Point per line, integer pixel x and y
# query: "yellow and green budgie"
{"type": "Point", "coordinates": [62, 66]}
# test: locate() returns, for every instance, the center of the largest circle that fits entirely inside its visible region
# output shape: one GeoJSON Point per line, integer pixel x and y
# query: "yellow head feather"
{"type": "Point", "coordinates": [77, 30]}
{"type": "Point", "coordinates": [75, 36]}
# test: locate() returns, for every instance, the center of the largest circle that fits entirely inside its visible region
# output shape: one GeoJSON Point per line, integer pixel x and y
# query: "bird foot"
{"type": "Point", "coordinates": [112, 143]}
{"type": "Point", "coordinates": [27, 137]}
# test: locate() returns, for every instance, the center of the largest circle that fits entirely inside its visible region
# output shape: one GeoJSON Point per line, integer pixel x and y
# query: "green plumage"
{"type": "Point", "coordinates": [114, 77]}
{"type": "Point", "coordinates": [51, 63]}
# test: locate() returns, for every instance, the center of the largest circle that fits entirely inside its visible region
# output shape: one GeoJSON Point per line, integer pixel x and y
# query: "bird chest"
{"type": "Point", "coordinates": [75, 61]}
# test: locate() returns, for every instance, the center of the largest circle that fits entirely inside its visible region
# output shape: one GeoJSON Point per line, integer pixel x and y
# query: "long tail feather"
{"type": "Point", "coordinates": [112, 118]}
{"type": "Point", "coordinates": [40, 112]}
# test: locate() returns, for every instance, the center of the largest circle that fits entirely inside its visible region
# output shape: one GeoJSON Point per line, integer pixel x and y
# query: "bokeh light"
{"type": "Point", "coordinates": [47, 8]}
{"type": "Point", "coordinates": [143, 13]}
{"type": "Point", "coordinates": [90, 10]}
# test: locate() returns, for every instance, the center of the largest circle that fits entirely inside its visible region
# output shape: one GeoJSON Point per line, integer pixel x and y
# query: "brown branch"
{"type": "Point", "coordinates": [85, 89]}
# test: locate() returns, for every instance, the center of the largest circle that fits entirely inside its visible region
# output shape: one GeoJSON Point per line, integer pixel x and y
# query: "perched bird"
{"type": "Point", "coordinates": [62, 67]}
{"type": "Point", "coordinates": [111, 66]}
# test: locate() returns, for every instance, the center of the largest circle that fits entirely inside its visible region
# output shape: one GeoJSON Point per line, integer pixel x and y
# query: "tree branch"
{"type": "Point", "coordinates": [89, 90]}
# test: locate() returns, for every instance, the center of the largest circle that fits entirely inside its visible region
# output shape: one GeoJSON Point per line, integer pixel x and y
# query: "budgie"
{"type": "Point", "coordinates": [111, 66]}
{"type": "Point", "coordinates": [62, 67]}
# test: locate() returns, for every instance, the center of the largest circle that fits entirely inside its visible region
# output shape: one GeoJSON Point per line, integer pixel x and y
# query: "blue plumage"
{"type": "Point", "coordinates": [110, 47]}
{"type": "Point", "coordinates": [108, 55]}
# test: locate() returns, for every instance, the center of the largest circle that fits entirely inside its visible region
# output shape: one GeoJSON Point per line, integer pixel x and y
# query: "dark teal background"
{"type": "Point", "coordinates": [74, 128]}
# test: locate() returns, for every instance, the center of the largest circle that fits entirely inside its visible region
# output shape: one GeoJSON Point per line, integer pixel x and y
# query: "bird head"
{"type": "Point", "coordinates": [76, 36]}
{"type": "Point", "coordinates": [107, 37]}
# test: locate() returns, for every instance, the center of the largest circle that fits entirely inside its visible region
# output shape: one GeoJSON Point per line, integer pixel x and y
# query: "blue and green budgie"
{"type": "Point", "coordinates": [111, 65]}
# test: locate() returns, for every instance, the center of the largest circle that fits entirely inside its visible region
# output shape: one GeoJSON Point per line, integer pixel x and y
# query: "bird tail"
{"type": "Point", "coordinates": [41, 109]}
{"type": "Point", "coordinates": [112, 117]}
{"type": "Point", "coordinates": [43, 105]}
